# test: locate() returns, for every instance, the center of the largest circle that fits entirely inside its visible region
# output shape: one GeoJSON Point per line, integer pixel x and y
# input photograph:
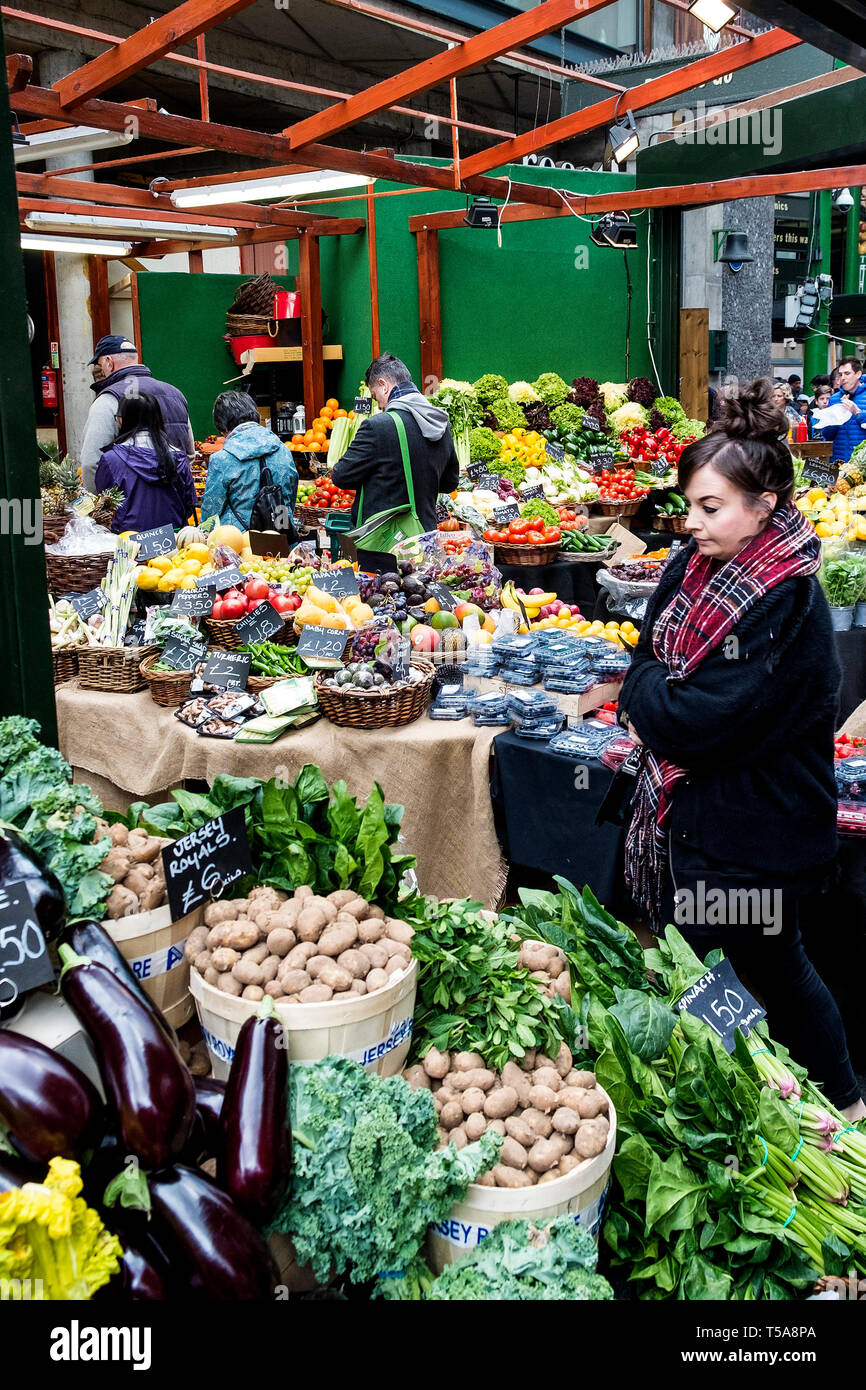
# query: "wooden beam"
{"type": "Point", "coordinates": [310, 286]}
{"type": "Point", "coordinates": [167, 246]}
{"type": "Point", "coordinates": [19, 70]}
{"type": "Point", "coordinates": [637, 98]}
{"type": "Point", "coordinates": [429, 309]}
{"type": "Point", "coordinates": [515, 212]}
{"type": "Point", "coordinates": [100, 308]}
{"type": "Point", "coordinates": [125, 214]}
{"type": "Point", "coordinates": [694, 362]}
{"type": "Point", "coordinates": [240, 176]}
{"type": "Point", "coordinates": [462, 58]}
{"type": "Point", "coordinates": [203, 95]}
{"type": "Point", "coordinates": [142, 48]}
{"type": "Point", "coordinates": [183, 130]}
{"type": "Point", "coordinates": [724, 190]}
{"type": "Point", "coordinates": [196, 262]}
{"type": "Point", "coordinates": [136, 315]}
{"type": "Point", "coordinates": [374, 272]}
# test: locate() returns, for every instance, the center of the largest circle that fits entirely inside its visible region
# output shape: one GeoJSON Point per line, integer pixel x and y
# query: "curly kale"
{"type": "Point", "coordinates": [484, 446]}
{"type": "Point", "coordinates": [584, 391]}
{"type": "Point", "coordinates": [366, 1180]}
{"type": "Point", "coordinates": [517, 1262]}
{"type": "Point", "coordinates": [508, 414]}
{"type": "Point", "coordinates": [567, 417]}
{"type": "Point", "coordinates": [641, 390]}
{"type": "Point", "coordinates": [18, 737]}
{"type": "Point", "coordinates": [551, 388]}
{"type": "Point", "coordinates": [513, 470]}
{"type": "Point", "coordinates": [490, 387]}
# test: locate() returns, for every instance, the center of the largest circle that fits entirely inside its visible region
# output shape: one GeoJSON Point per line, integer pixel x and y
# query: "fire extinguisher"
{"type": "Point", "coordinates": [49, 388]}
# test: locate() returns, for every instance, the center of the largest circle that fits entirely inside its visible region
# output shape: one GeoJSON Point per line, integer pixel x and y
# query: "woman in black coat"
{"type": "Point", "coordinates": [732, 695]}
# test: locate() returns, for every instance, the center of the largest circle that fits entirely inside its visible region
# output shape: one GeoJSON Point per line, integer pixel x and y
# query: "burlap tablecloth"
{"type": "Point", "coordinates": [438, 770]}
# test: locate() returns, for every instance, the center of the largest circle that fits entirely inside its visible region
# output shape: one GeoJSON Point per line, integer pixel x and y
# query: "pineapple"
{"type": "Point", "coordinates": [59, 484]}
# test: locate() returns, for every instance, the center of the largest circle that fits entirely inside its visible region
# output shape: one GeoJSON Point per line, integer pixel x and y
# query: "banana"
{"type": "Point", "coordinates": [507, 597]}
{"type": "Point", "coordinates": [536, 600]}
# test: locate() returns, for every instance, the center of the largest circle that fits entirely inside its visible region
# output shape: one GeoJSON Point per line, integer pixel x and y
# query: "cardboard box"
{"type": "Point", "coordinates": [628, 546]}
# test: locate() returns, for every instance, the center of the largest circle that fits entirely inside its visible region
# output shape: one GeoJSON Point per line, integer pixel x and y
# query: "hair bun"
{"type": "Point", "coordinates": [750, 413]}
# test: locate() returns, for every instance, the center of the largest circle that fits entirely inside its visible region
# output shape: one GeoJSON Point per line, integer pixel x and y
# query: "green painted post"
{"type": "Point", "coordinates": [27, 686]}
{"type": "Point", "coordinates": [816, 346]}
{"type": "Point", "coordinates": [851, 274]}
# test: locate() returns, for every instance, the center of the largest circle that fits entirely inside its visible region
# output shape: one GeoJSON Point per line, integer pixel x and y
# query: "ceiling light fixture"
{"type": "Point", "coordinates": [252, 190]}
{"type": "Point", "coordinates": [615, 229]}
{"type": "Point", "coordinates": [623, 139]}
{"type": "Point", "coordinates": [74, 140]}
{"type": "Point", "coordinates": [127, 227]}
{"type": "Point", "coordinates": [81, 246]}
{"type": "Point", "coordinates": [715, 14]}
{"type": "Point", "coordinates": [481, 213]}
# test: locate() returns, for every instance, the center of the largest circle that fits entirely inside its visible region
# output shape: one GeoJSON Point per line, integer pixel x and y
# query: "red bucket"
{"type": "Point", "coordinates": [239, 344]}
{"type": "Point", "coordinates": [287, 304]}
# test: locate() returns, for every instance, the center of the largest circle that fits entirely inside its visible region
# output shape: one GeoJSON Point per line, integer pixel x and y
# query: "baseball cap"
{"type": "Point", "coordinates": [109, 345]}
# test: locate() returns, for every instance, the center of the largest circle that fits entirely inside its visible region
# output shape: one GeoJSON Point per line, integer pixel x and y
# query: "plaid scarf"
{"type": "Point", "coordinates": [707, 607]}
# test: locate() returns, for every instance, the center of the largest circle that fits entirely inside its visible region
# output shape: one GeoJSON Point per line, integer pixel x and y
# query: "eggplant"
{"type": "Point", "coordinates": [15, 1172]}
{"type": "Point", "coordinates": [217, 1253]}
{"type": "Point", "coordinates": [142, 1277]}
{"type": "Point", "coordinates": [18, 861]}
{"type": "Point", "coordinates": [256, 1162]}
{"type": "Point", "coordinates": [47, 1106]}
{"type": "Point", "coordinates": [142, 1073]}
{"type": "Point", "coordinates": [90, 939]}
{"type": "Point", "coordinates": [206, 1140]}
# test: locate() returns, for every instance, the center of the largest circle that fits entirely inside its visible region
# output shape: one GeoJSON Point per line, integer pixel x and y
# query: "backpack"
{"type": "Point", "coordinates": [270, 512]}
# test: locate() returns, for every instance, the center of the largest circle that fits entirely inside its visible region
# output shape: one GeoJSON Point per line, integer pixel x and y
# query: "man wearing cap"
{"type": "Point", "coordinates": [122, 375]}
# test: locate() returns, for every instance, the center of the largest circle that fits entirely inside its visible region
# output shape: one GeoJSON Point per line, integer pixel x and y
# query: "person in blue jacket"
{"type": "Point", "coordinates": [851, 395]}
{"type": "Point", "coordinates": [234, 472]}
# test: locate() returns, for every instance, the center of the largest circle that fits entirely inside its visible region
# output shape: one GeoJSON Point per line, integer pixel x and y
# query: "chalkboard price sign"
{"type": "Point", "coordinates": [489, 482]}
{"type": "Point", "coordinates": [87, 604]}
{"type": "Point", "coordinates": [340, 582]}
{"type": "Point", "coordinates": [322, 644]}
{"type": "Point", "coordinates": [363, 405]}
{"type": "Point", "coordinates": [474, 470]}
{"type": "Point", "coordinates": [401, 658]}
{"type": "Point", "coordinates": [723, 1003]}
{"type": "Point", "coordinates": [24, 963]}
{"type": "Point", "coordinates": [590, 423]}
{"type": "Point", "coordinates": [446, 600]}
{"type": "Point", "coordinates": [157, 541]}
{"type": "Point", "coordinates": [527, 493]}
{"type": "Point", "coordinates": [554, 451]}
{"type": "Point", "coordinates": [193, 603]}
{"type": "Point", "coordinates": [659, 467]}
{"type": "Point", "coordinates": [442, 513]}
{"type": "Point", "coordinates": [228, 670]}
{"type": "Point", "coordinates": [820, 472]}
{"type": "Point", "coordinates": [269, 542]}
{"type": "Point", "coordinates": [200, 866]}
{"type": "Point", "coordinates": [183, 656]}
{"type": "Point", "coordinates": [601, 461]}
{"type": "Point", "coordinates": [261, 624]}
{"type": "Point", "coordinates": [502, 515]}
{"type": "Point", "coordinates": [222, 579]}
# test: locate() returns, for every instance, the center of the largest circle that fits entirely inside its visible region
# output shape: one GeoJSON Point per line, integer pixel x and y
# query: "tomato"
{"type": "Point", "coordinates": [490, 535]}
{"type": "Point", "coordinates": [533, 538]}
{"type": "Point", "coordinates": [524, 524]}
{"type": "Point", "coordinates": [552, 534]}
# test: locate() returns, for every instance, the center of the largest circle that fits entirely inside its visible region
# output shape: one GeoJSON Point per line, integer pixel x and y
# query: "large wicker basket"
{"type": "Point", "coordinates": [54, 526]}
{"type": "Point", "coordinates": [65, 661]}
{"type": "Point", "coordinates": [677, 524]}
{"type": "Point", "coordinates": [525, 554]}
{"type": "Point", "coordinates": [224, 633]}
{"type": "Point", "coordinates": [167, 688]}
{"type": "Point", "coordinates": [76, 574]}
{"type": "Point", "coordinates": [618, 508]}
{"type": "Point", "coordinates": [379, 707]}
{"type": "Point", "coordinates": [113, 668]}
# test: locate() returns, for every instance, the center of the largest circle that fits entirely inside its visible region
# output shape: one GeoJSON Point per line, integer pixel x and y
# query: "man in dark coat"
{"type": "Point", "coordinates": [122, 375]}
{"type": "Point", "coordinates": [373, 460]}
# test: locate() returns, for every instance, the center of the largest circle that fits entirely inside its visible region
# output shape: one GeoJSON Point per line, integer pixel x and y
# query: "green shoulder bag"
{"type": "Point", "coordinates": [385, 531]}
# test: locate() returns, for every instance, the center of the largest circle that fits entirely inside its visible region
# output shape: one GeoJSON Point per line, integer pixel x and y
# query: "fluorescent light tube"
{"type": "Point", "coordinates": [75, 139]}
{"type": "Point", "coordinates": [251, 190]}
{"type": "Point", "coordinates": [60, 221]}
{"type": "Point", "coordinates": [82, 246]}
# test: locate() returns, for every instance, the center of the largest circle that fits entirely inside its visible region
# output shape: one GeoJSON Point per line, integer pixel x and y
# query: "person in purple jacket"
{"type": "Point", "coordinates": [154, 477]}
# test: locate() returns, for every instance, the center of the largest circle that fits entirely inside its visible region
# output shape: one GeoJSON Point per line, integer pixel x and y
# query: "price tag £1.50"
{"type": "Point", "coordinates": [723, 1003]}
{"type": "Point", "coordinates": [24, 962]}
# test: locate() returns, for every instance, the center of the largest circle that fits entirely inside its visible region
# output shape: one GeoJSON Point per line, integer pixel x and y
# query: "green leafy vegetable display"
{"type": "Point", "coordinates": [551, 389]}
{"type": "Point", "coordinates": [543, 510]}
{"type": "Point", "coordinates": [367, 1180]}
{"type": "Point", "coordinates": [484, 445]}
{"type": "Point", "coordinates": [509, 415]}
{"type": "Point", "coordinates": [519, 1263]}
{"type": "Point", "coordinates": [514, 470]}
{"type": "Point", "coordinates": [490, 387]}
{"type": "Point", "coordinates": [844, 580]}
{"type": "Point", "coordinates": [568, 417]}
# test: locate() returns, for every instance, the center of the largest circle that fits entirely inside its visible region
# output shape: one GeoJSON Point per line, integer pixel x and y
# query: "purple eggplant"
{"type": "Point", "coordinates": [18, 861]}
{"type": "Point", "coordinates": [206, 1140]}
{"type": "Point", "coordinates": [15, 1172]}
{"type": "Point", "coordinates": [215, 1252]}
{"type": "Point", "coordinates": [47, 1106]}
{"type": "Point", "coordinates": [256, 1162]}
{"type": "Point", "coordinates": [90, 939]}
{"type": "Point", "coordinates": [142, 1072]}
{"type": "Point", "coordinates": [142, 1277]}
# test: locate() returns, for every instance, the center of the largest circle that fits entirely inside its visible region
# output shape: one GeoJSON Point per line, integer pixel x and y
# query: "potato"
{"type": "Point", "coordinates": [569, 1162]}
{"type": "Point", "coordinates": [334, 975]}
{"type": "Point", "coordinates": [300, 954]}
{"type": "Point", "coordinates": [153, 896]}
{"type": "Point", "coordinates": [121, 903]}
{"type": "Point", "coordinates": [501, 1103]}
{"type": "Point", "coordinates": [295, 981]}
{"type": "Point", "coordinates": [451, 1115]}
{"type": "Point", "coordinates": [315, 964]}
{"type": "Point", "coordinates": [571, 1096]}
{"type": "Point", "coordinates": [542, 1098]}
{"type": "Point", "coordinates": [541, 975]}
{"type": "Point", "coordinates": [592, 1103]}
{"type": "Point", "coordinates": [311, 923]}
{"type": "Point", "coordinates": [356, 963]}
{"type": "Point", "coordinates": [528, 1062]}
{"type": "Point", "coordinates": [589, 1141]}
{"type": "Point", "coordinates": [275, 990]}
{"type": "Point", "coordinates": [565, 1120]}
{"type": "Point", "coordinates": [475, 1125]}
{"type": "Point", "coordinates": [552, 1174]}
{"type": "Point", "coordinates": [486, 1180]}
{"type": "Point", "coordinates": [195, 943]}
{"type": "Point", "coordinates": [436, 1064]}
{"type": "Point", "coordinates": [341, 897]}
{"type": "Point", "coordinates": [254, 993]}
{"type": "Point", "coordinates": [225, 957]}
{"type": "Point", "coordinates": [118, 834]}
{"type": "Point", "coordinates": [472, 1100]}
{"type": "Point", "coordinates": [358, 987]}
{"type": "Point", "coordinates": [240, 936]}
{"type": "Point", "coordinates": [543, 1061]}
{"type": "Point", "coordinates": [396, 966]}
{"type": "Point", "coordinates": [512, 1177]}
{"type": "Point", "coordinates": [212, 976]}
{"type": "Point", "coordinates": [202, 961]}
{"type": "Point", "coordinates": [498, 1126]}
{"type": "Point", "coordinates": [248, 972]}
{"type": "Point", "coordinates": [442, 1136]}
{"type": "Point", "coordinates": [563, 1060]}
{"type": "Point", "coordinates": [396, 948]}
{"type": "Point", "coordinates": [216, 936]}
{"type": "Point", "coordinates": [137, 882]}
{"type": "Point", "coordinates": [270, 968]}
{"type": "Point", "coordinates": [396, 930]}
{"type": "Point", "coordinates": [229, 985]}
{"type": "Point", "coordinates": [143, 848]}
{"type": "Point", "coordinates": [371, 929]}
{"type": "Point", "coordinates": [518, 1080]}
{"type": "Point", "coordinates": [563, 987]}
{"type": "Point", "coordinates": [543, 1155]}
{"type": "Point", "coordinates": [374, 911]}
{"type": "Point", "coordinates": [540, 1124]}
{"type": "Point", "coordinates": [257, 953]}
{"type": "Point", "coordinates": [458, 1137]}
{"type": "Point", "coordinates": [375, 980]}
{"type": "Point", "coordinates": [479, 1076]}
{"type": "Point", "coordinates": [512, 1154]}
{"type": "Point", "coordinates": [215, 913]}
{"type": "Point", "coordinates": [584, 1079]}
{"type": "Point", "coordinates": [547, 1076]}
{"type": "Point", "coordinates": [315, 994]}
{"type": "Point", "coordinates": [280, 941]}
{"type": "Point", "coordinates": [357, 908]}
{"type": "Point", "coordinates": [417, 1077]}
{"type": "Point", "coordinates": [337, 939]}
{"type": "Point", "coordinates": [467, 1061]}
{"type": "Point", "coordinates": [375, 953]}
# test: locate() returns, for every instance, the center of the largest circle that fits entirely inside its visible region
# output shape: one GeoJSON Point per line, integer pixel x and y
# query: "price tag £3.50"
{"type": "Point", "coordinates": [24, 963]}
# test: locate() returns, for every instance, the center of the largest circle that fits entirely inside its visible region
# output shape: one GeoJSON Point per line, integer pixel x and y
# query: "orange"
{"type": "Point", "coordinates": [332, 403]}
{"type": "Point", "coordinates": [326, 412]}
{"type": "Point", "coordinates": [297, 439]}
{"type": "Point", "coordinates": [317, 446]}
{"type": "Point", "coordinates": [341, 414]}
{"type": "Point", "coordinates": [308, 436]}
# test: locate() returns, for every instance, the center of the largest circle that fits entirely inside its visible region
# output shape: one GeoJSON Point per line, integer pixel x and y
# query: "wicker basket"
{"type": "Point", "coordinates": [677, 524]}
{"type": "Point", "coordinates": [76, 574]}
{"type": "Point", "coordinates": [65, 661]}
{"type": "Point", "coordinates": [379, 707]}
{"type": "Point", "coordinates": [618, 508]}
{"type": "Point", "coordinates": [257, 683]}
{"type": "Point", "coordinates": [113, 668]}
{"type": "Point", "coordinates": [525, 554]}
{"type": "Point", "coordinates": [224, 633]}
{"type": "Point", "coordinates": [167, 688]}
{"type": "Point", "coordinates": [254, 296]}
{"type": "Point", "coordinates": [54, 526]}
{"type": "Point", "coordinates": [242, 325]}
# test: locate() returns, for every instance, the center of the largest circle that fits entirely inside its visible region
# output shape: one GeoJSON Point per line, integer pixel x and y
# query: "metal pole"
{"type": "Point", "coordinates": [851, 276]}
{"type": "Point", "coordinates": [816, 345]}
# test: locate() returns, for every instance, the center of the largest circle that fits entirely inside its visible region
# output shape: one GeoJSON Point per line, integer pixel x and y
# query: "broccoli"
{"type": "Point", "coordinates": [551, 388]}
{"type": "Point", "coordinates": [509, 415]}
{"type": "Point", "coordinates": [567, 417]}
{"type": "Point", "coordinates": [484, 446]}
{"type": "Point", "coordinates": [18, 737]}
{"type": "Point", "coordinates": [490, 387]}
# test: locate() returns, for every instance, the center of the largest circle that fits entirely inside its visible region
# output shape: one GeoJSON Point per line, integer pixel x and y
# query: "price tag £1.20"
{"type": "Point", "coordinates": [24, 962]}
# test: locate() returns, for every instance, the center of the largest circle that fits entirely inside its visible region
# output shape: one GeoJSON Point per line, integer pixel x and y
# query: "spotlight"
{"type": "Point", "coordinates": [481, 213]}
{"type": "Point", "coordinates": [715, 14]}
{"type": "Point", "coordinates": [623, 139]}
{"type": "Point", "coordinates": [615, 229]}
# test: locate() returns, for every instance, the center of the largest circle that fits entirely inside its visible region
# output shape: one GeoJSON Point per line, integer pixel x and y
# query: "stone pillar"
{"type": "Point", "coordinates": [72, 275]}
{"type": "Point", "coordinates": [747, 297]}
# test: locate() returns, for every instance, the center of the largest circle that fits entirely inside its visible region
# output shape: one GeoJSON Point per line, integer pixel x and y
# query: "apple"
{"type": "Point", "coordinates": [536, 590]}
{"type": "Point", "coordinates": [424, 639]}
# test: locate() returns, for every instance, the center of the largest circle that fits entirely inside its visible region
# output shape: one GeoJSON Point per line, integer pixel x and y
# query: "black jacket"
{"type": "Point", "coordinates": [753, 728]}
{"type": "Point", "coordinates": [373, 461]}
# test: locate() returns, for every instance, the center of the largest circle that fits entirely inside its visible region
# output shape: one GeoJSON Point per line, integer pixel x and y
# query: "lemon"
{"type": "Point", "coordinates": [161, 563]}
{"type": "Point", "coordinates": [146, 578]}
{"type": "Point", "coordinates": [164, 586]}
{"type": "Point", "coordinates": [191, 566]}
{"type": "Point", "coordinates": [188, 582]}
